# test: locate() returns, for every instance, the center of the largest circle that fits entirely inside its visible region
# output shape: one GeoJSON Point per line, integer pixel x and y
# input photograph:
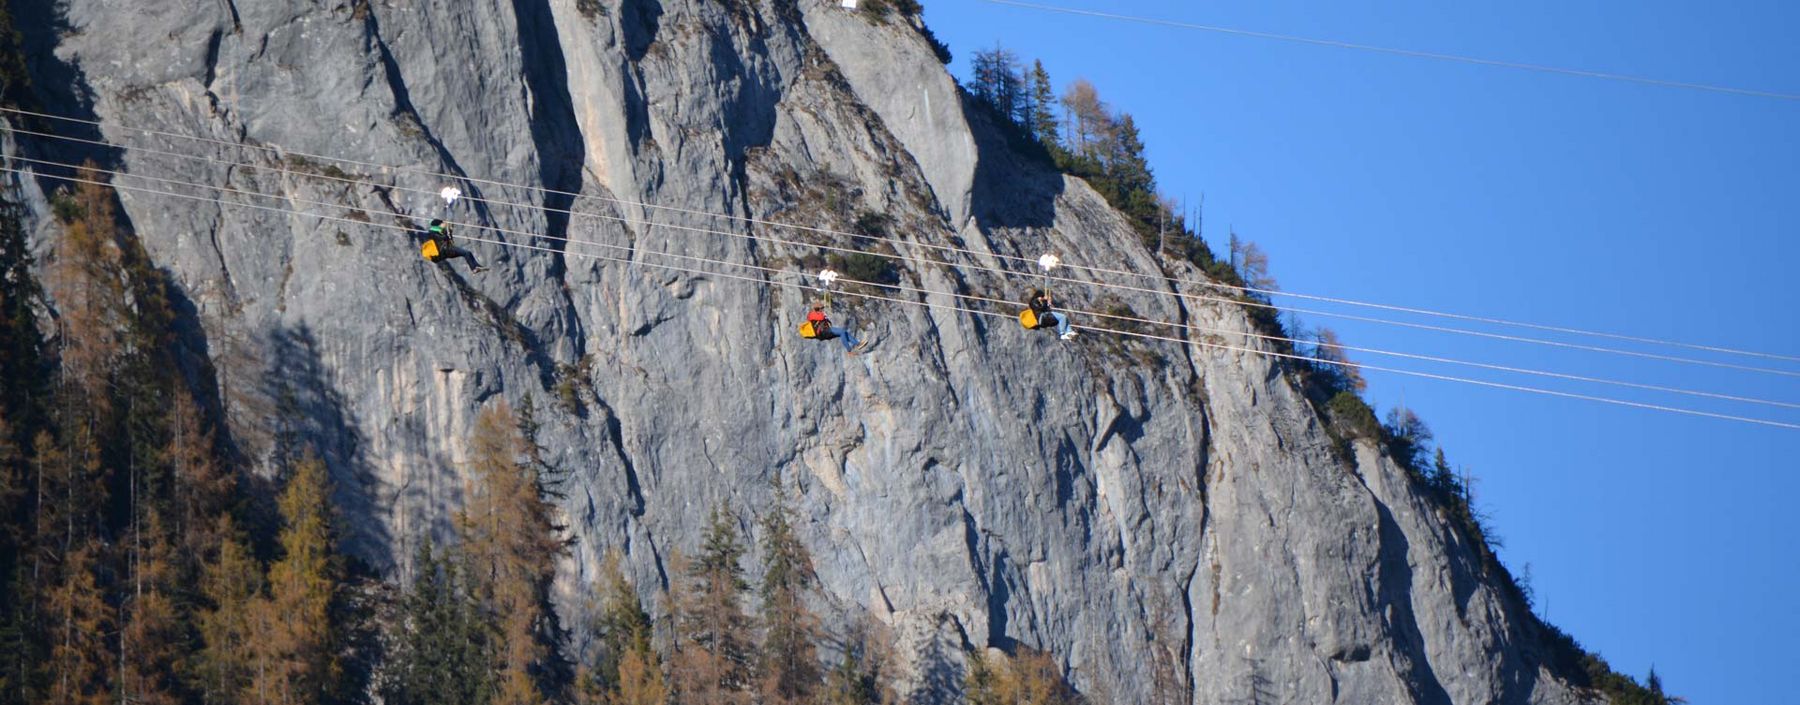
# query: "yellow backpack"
{"type": "Point", "coordinates": [1029, 319]}
{"type": "Point", "coordinates": [812, 332]}
{"type": "Point", "coordinates": [430, 249]}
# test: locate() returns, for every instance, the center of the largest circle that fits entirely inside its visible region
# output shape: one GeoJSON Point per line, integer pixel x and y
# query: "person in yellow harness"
{"type": "Point", "coordinates": [1042, 305]}
{"type": "Point", "coordinates": [824, 330]}
{"type": "Point", "coordinates": [440, 246]}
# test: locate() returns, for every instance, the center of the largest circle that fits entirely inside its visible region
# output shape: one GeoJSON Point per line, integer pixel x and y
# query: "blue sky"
{"type": "Point", "coordinates": [1652, 538]}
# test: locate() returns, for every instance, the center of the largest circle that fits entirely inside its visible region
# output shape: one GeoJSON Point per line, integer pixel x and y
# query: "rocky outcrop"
{"type": "Point", "coordinates": [967, 483]}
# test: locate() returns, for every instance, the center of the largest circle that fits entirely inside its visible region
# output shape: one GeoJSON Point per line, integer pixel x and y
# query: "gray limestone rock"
{"type": "Point", "coordinates": [968, 483]}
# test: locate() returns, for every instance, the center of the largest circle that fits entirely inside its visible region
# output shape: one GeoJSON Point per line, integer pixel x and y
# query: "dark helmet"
{"type": "Point", "coordinates": [437, 226]}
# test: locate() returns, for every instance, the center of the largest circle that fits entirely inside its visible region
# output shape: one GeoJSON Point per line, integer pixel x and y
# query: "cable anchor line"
{"type": "Point", "coordinates": [927, 302]}
{"type": "Point", "coordinates": [975, 254]}
{"type": "Point", "coordinates": [1045, 262]}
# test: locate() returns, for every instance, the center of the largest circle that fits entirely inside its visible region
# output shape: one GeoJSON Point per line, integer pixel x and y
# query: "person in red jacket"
{"type": "Point", "coordinates": [824, 330]}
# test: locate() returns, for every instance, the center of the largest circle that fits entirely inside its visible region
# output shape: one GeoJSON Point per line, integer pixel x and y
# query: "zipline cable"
{"type": "Point", "coordinates": [1409, 53]}
{"type": "Point", "coordinates": [984, 299]}
{"type": "Point", "coordinates": [1047, 277]}
{"type": "Point", "coordinates": [1247, 301]}
{"type": "Point", "coordinates": [1505, 322]}
{"type": "Point", "coordinates": [893, 241]}
{"type": "Point", "coordinates": [927, 303]}
{"type": "Point", "coordinates": [1092, 314]}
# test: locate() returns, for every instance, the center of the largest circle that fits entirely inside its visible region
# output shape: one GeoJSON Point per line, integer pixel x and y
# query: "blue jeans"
{"type": "Point", "coordinates": [847, 337]}
{"type": "Point", "coordinates": [1062, 322]}
{"type": "Point", "coordinates": [453, 252]}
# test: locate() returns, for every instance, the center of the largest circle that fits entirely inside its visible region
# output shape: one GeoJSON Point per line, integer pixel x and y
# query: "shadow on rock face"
{"type": "Point", "coordinates": [940, 673]}
{"type": "Point", "coordinates": [56, 87]}
{"type": "Point", "coordinates": [640, 19]}
{"type": "Point", "coordinates": [560, 146]}
{"type": "Point", "coordinates": [1016, 185]}
{"type": "Point", "coordinates": [312, 416]}
{"type": "Point", "coordinates": [1396, 591]}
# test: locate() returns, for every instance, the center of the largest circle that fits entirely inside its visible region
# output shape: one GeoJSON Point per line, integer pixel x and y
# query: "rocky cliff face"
{"type": "Point", "coordinates": [967, 483]}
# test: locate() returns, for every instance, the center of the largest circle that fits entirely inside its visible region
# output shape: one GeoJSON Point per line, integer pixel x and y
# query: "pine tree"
{"type": "Point", "coordinates": [1408, 439]}
{"type": "Point", "coordinates": [70, 482]}
{"type": "Point", "coordinates": [22, 390]}
{"type": "Point", "coordinates": [1129, 170]}
{"type": "Point", "coordinates": [202, 489]}
{"type": "Point", "coordinates": [151, 640]}
{"type": "Point", "coordinates": [79, 668]}
{"type": "Point", "coordinates": [713, 660]}
{"type": "Point", "coordinates": [627, 669]}
{"type": "Point", "coordinates": [529, 427]}
{"type": "Point", "coordinates": [230, 584]}
{"type": "Point", "coordinates": [858, 677]}
{"type": "Point", "coordinates": [18, 650]}
{"type": "Point", "coordinates": [1036, 680]}
{"type": "Point", "coordinates": [72, 614]}
{"type": "Point", "coordinates": [14, 648]}
{"type": "Point", "coordinates": [999, 85]}
{"type": "Point", "coordinates": [622, 625]}
{"type": "Point", "coordinates": [440, 648]}
{"type": "Point", "coordinates": [98, 608]}
{"type": "Point", "coordinates": [70, 491]}
{"type": "Point", "coordinates": [790, 667]}
{"type": "Point", "coordinates": [849, 684]}
{"type": "Point", "coordinates": [981, 684]}
{"type": "Point", "coordinates": [15, 80]}
{"type": "Point", "coordinates": [89, 296]}
{"type": "Point", "coordinates": [146, 382]}
{"type": "Point", "coordinates": [153, 625]}
{"type": "Point", "coordinates": [1442, 476]}
{"type": "Point", "coordinates": [1654, 691]}
{"type": "Point", "coordinates": [1013, 99]}
{"type": "Point", "coordinates": [294, 641]}
{"type": "Point", "coordinates": [1044, 124]}
{"type": "Point", "coordinates": [513, 541]}
{"type": "Point", "coordinates": [1027, 678]}
{"type": "Point", "coordinates": [984, 65]}
{"type": "Point", "coordinates": [640, 678]}
{"type": "Point", "coordinates": [21, 342]}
